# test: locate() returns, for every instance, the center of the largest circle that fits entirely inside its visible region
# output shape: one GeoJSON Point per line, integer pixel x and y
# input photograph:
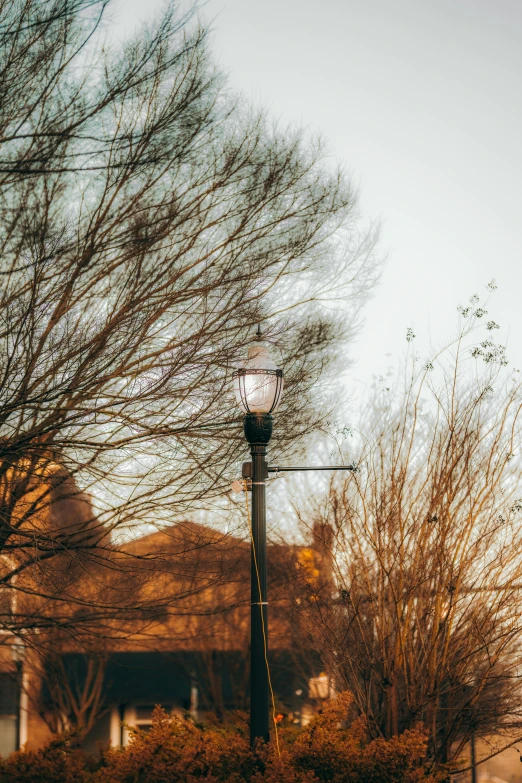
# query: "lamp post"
{"type": "Point", "coordinates": [258, 387]}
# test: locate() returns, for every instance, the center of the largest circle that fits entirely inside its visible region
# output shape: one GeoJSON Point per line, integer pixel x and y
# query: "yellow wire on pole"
{"type": "Point", "coordinates": [262, 618]}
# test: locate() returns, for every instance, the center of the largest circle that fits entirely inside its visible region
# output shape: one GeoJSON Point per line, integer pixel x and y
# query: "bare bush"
{"type": "Point", "coordinates": [428, 574]}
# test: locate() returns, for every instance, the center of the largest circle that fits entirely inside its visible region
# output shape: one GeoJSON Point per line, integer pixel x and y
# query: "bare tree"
{"type": "Point", "coordinates": [427, 568]}
{"type": "Point", "coordinates": [148, 221]}
{"type": "Point", "coordinates": [67, 691]}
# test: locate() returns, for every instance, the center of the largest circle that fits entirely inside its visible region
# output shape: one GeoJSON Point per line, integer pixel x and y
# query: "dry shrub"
{"type": "Point", "coordinates": [331, 748]}
{"type": "Point", "coordinates": [55, 763]}
{"type": "Point", "coordinates": [176, 750]}
{"type": "Point", "coordinates": [421, 619]}
{"type": "Point", "coordinates": [345, 755]}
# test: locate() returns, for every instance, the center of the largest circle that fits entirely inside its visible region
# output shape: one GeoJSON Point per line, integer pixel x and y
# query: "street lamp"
{"type": "Point", "coordinates": [258, 387]}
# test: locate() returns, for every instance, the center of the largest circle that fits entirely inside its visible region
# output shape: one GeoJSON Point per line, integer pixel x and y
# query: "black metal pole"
{"type": "Point", "coordinates": [473, 759]}
{"type": "Point", "coordinates": [19, 686]}
{"type": "Point", "coordinates": [258, 430]}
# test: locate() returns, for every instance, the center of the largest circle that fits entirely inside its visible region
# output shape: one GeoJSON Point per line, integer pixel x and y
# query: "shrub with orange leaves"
{"type": "Point", "coordinates": [57, 762]}
{"type": "Point", "coordinates": [347, 756]}
{"type": "Point", "coordinates": [176, 750]}
{"type": "Point", "coordinates": [333, 748]}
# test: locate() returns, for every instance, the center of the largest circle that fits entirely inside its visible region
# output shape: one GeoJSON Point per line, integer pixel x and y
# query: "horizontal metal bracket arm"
{"type": "Point", "coordinates": [281, 468]}
{"type": "Point", "coordinates": [247, 469]}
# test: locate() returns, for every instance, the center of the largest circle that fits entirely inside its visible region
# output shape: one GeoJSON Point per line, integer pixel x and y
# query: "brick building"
{"type": "Point", "coordinates": [180, 640]}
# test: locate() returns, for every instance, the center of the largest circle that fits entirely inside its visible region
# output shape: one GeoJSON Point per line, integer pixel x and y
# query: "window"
{"type": "Point", "coordinates": [143, 715]}
{"type": "Point", "coordinates": [140, 716]}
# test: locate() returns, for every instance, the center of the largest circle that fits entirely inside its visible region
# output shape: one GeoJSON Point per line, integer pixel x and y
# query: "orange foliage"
{"type": "Point", "coordinates": [54, 763]}
{"type": "Point", "coordinates": [331, 748]}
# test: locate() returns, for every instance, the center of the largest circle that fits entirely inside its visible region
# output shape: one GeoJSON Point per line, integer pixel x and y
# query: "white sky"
{"type": "Point", "coordinates": [421, 102]}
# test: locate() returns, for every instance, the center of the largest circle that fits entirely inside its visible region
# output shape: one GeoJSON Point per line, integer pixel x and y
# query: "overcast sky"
{"type": "Point", "coordinates": [421, 101]}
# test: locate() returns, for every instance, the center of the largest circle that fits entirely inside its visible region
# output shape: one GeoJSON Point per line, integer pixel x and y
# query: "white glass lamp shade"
{"type": "Point", "coordinates": [259, 384]}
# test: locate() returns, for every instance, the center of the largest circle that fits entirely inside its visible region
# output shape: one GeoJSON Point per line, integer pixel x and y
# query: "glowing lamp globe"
{"type": "Point", "coordinates": [259, 384]}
